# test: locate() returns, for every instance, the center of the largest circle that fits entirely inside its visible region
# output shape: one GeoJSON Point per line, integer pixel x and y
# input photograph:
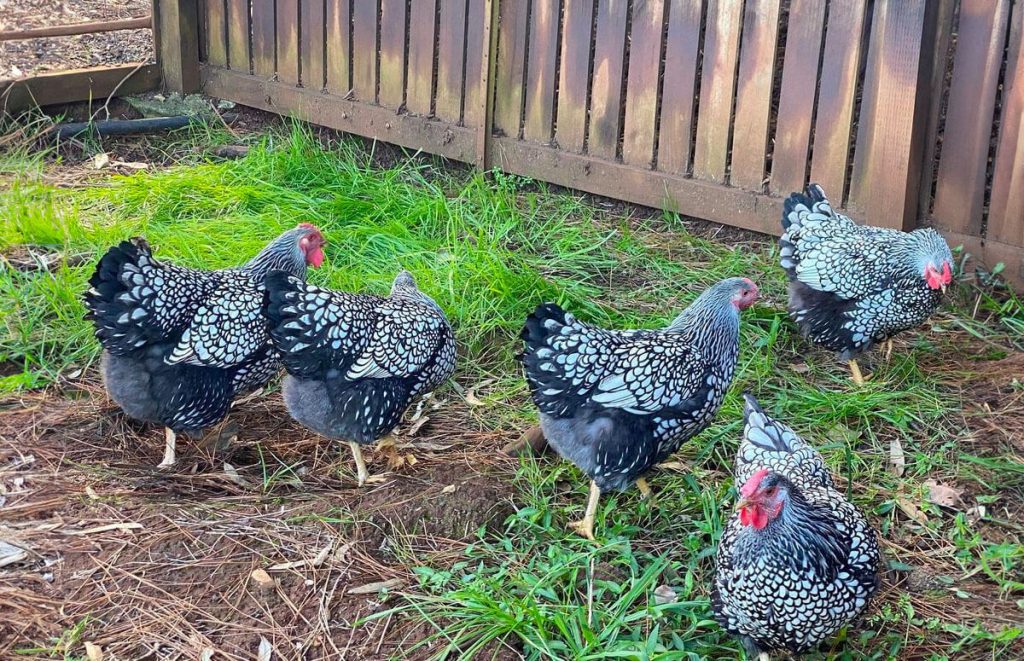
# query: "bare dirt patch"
{"type": "Point", "coordinates": [158, 565]}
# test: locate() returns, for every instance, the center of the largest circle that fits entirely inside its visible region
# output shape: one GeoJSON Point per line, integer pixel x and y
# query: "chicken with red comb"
{"type": "Point", "coordinates": [797, 561]}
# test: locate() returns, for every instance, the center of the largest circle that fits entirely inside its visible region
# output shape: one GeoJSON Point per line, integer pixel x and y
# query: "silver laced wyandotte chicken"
{"type": "Point", "coordinates": [356, 361]}
{"type": "Point", "coordinates": [796, 561]}
{"type": "Point", "coordinates": [615, 403]}
{"type": "Point", "coordinates": [851, 286]}
{"type": "Point", "coordinates": [180, 343]}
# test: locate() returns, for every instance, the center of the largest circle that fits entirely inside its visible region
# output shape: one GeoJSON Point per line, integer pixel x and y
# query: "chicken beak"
{"type": "Point", "coordinates": [944, 288]}
{"type": "Point", "coordinates": [741, 503]}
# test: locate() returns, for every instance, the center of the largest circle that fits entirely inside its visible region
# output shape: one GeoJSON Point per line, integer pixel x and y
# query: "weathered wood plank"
{"type": "Point", "coordinates": [677, 101]}
{"type": "Point", "coordinates": [311, 46]}
{"type": "Point", "coordinates": [938, 70]}
{"type": "Point", "coordinates": [419, 94]}
{"type": "Point", "coordinates": [574, 75]}
{"type": "Point", "coordinates": [721, 46]}
{"type": "Point", "coordinates": [833, 124]}
{"type": "Point", "coordinates": [339, 47]}
{"type": "Point", "coordinates": [796, 98]}
{"type": "Point", "coordinates": [482, 119]}
{"type": "Point", "coordinates": [1006, 206]}
{"type": "Point", "coordinates": [887, 162]}
{"type": "Point", "coordinates": [177, 21]}
{"type": "Point", "coordinates": [263, 45]}
{"type": "Point", "coordinates": [540, 93]}
{"type": "Point", "coordinates": [476, 27]}
{"type": "Point", "coordinates": [364, 50]}
{"type": "Point", "coordinates": [451, 45]}
{"type": "Point", "coordinates": [95, 84]}
{"type": "Point", "coordinates": [392, 52]}
{"type": "Point", "coordinates": [238, 35]}
{"type": "Point", "coordinates": [355, 117]}
{"type": "Point", "coordinates": [754, 93]}
{"type": "Point", "coordinates": [606, 93]}
{"type": "Point", "coordinates": [508, 102]}
{"type": "Point", "coordinates": [960, 189]}
{"type": "Point", "coordinates": [216, 33]}
{"type": "Point", "coordinates": [287, 38]}
{"type": "Point", "coordinates": [642, 83]}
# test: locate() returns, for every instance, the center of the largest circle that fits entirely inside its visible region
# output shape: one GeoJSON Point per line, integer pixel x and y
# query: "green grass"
{"type": "Point", "coordinates": [490, 248]}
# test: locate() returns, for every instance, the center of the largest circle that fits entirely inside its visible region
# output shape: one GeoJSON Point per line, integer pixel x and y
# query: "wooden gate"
{"type": "Point", "coordinates": [907, 112]}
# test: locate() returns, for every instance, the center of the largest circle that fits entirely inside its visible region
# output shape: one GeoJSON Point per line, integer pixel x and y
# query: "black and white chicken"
{"type": "Point", "coordinates": [797, 561]}
{"type": "Point", "coordinates": [179, 343]}
{"type": "Point", "coordinates": [615, 403]}
{"type": "Point", "coordinates": [355, 361]}
{"type": "Point", "coordinates": [851, 286]}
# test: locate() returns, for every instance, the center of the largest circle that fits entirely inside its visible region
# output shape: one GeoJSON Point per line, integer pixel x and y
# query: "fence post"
{"type": "Point", "coordinates": [894, 114]}
{"type": "Point", "coordinates": [176, 33]}
{"type": "Point", "coordinates": [487, 65]}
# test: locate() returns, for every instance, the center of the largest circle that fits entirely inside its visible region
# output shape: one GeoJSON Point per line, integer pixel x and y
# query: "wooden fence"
{"type": "Point", "coordinates": [908, 112]}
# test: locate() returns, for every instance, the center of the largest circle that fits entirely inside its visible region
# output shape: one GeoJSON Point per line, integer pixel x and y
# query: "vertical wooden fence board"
{"type": "Point", "coordinates": [938, 71]}
{"type": "Point", "coordinates": [833, 124]}
{"type": "Point", "coordinates": [606, 94]}
{"type": "Point", "coordinates": [339, 31]}
{"type": "Point", "coordinates": [721, 46]}
{"type": "Point", "coordinates": [238, 35]}
{"type": "Point", "coordinates": [754, 93]}
{"type": "Point", "coordinates": [796, 99]}
{"type": "Point", "coordinates": [364, 50]}
{"type": "Point", "coordinates": [288, 41]}
{"type": "Point", "coordinates": [1006, 207]}
{"type": "Point", "coordinates": [642, 82]}
{"type": "Point", "coordinates": [574, 75]}
{"type": "Point", "coordinates": [677, 99]}
{"type": "Point", "coordinates": [311, 46]}
{"type": "Point", "coordinates": [263, 38]}
{"type": "Point", "coordinates": [392, 52]}
{"type": "Point", "coordinates": [508, 98]}
{"type": "Point", "coordinates": [960, 190]}
{"type": "Point", "coordinates": [216, 31]}
{"type": "Point", "coordinates": [451, 45]}
{"type": "Point", "coordinates": [886, 167]}
{"type": "Point", "coordinates": [473, 106]}
{"type": "Point", "coordinates": [540, 92]}
{"type": "Point", "coordinates": [419, 90]}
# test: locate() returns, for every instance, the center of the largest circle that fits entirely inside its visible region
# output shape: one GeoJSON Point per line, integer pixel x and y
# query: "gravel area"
{"type": "Point", "coordinates": [32, 56]}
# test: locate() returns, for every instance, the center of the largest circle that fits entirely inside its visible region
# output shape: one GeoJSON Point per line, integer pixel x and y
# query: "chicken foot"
{"type": "Point", "coordinates": [888, 349]}
{"type": "Point", "coordinates": [357, 453]}
{"type": "Point", "coordinates": [586, 526]}
{"type": "Point", "coordinates": [645, 489]}
{"type": "Point", "coordinates": [169, 441]}
{"type": "Point", "coordinates": [855, 372]}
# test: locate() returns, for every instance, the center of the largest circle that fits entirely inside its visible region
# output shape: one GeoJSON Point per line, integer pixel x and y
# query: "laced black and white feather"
{"type": "Point", "coordinates": [812, 570]}
{"type": "Point", "coordinates": [850, 285]}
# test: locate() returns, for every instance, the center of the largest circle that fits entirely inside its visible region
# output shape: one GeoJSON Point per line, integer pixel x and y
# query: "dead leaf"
{"type": "Point", "coordinates": [262, 578]}
{"type": "Point", "coordinates": [448, 489]}
{"type": "Point", "coordinates": [897, 462]}
{"type": "Point", "coordinates": [9, 554]}
{"type": "Point", "coordinates": [371, 588]}
{"type": "Point", "coordinates": [943, 494]}
{"type": "Point", "coordinates": [108, 527]}
{"type": "Point", "coordinates": [89, 491]}
{"type": "Point", "coordinates": [93, 652]}
{"type": "Point", "coordinates": [315, 562]}
{"type": "Point", "coordinates": [342, 553]}
{"type": "Point", "coordinates": [415, 426]}
{"type": "Point", "coordinates": [232, 474]}
{"type": "Point", "coordinates": [912, 510]}
{"type": "Point", "coordinates": [265, 651]}
{"type": "Point", "coordinates": [100, 161]}
{"type": "Point", "coordinates": [206, 654]}
{"type": "Point", "coordinates": [975, 514]}
{"type": "Point", "coordinates": [800, 368]}
{"type": "Point", "coordinates": [133, 165]}
{"type": "Point", "coordinates": [471, 397]}
{"type": "Point", "coordinates": [664, 594]}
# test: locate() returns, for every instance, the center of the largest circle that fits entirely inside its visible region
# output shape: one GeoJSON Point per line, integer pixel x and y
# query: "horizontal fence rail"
{"type": "Point", "coordinates": [907, 113]}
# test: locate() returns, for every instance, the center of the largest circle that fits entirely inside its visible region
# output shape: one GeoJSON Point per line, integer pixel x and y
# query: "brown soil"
{"type": "Point", "coordinates": [31, 56]}
{"type": "Point", "coordinates": [82, 494]}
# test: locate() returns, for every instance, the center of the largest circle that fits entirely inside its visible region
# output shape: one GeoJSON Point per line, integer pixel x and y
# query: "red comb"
{"type": "Point", "coordinates": [749, 488]}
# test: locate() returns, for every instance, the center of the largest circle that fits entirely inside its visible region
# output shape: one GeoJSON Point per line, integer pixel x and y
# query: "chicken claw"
{"type": "Point", "coordinates": [169, 439]}
{"type": "Point", "coordinates": [855, 372]}
{"type": "Point", "coordinates": [645, 489]}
